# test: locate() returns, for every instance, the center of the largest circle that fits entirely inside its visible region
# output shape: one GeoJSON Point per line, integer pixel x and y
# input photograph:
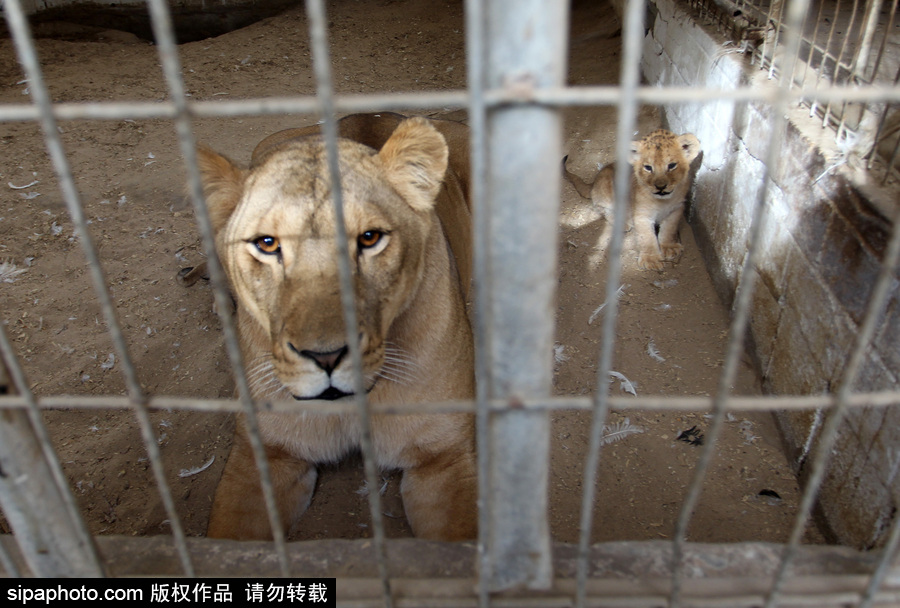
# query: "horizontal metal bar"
{"type": "Point", "coordinates": [744, 403]}
{"type": "Point", "coordinates": [550, 96]}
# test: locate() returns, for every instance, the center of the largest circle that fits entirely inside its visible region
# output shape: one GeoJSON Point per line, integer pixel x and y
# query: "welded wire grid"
{"type": "Point", "coordinates": [789, 20]}
{"type": "Point", "coordinates": [845, 42]}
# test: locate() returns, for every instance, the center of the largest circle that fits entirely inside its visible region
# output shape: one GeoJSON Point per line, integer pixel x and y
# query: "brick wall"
{"type": "Point", "coordinates": [822, 247]}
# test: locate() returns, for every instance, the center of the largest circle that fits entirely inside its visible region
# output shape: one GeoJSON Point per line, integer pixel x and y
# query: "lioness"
{"type": "Point", "coordinates": [659, 185]}
{"type": "Point", "coordinates": [408, 223]}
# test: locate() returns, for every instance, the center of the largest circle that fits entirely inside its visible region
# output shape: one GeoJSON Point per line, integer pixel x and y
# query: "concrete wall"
{"type": "Point", "coordinates": [822, 249]}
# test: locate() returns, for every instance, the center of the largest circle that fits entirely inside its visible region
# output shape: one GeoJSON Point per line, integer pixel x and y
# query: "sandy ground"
{"type": "Point", "coordinates": [130, 179]}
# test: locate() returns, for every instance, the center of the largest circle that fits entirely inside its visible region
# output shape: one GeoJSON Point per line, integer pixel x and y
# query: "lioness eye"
{"type": "Point", "coordinates": [672, 166]}
{"type": "Point", "coordinates": [267, 244]}
{"type": "Point", "coordinates": [648, 168]}
{"type": "Point", "coordinates": [369, 239]}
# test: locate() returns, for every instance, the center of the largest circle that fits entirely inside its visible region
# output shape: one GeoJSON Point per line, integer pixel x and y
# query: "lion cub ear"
{"type": "Point", "coordinates": [690, 145]}
{"type": "Point", "coordinates": [223, 184]}
{"type": "Point", "coordinates": [415, 161]}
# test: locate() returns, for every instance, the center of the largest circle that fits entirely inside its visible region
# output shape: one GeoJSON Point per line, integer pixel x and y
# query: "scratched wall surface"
{"type": "Point", "coordinates": [823, 244]}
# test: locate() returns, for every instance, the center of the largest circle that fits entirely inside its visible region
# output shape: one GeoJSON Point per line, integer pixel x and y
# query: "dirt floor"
{"type": "Point", "coordinates": [671, 333]}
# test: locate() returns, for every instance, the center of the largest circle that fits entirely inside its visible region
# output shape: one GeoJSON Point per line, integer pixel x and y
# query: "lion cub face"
{"type": "Point", "coordinates": [276, 237]}
{"type": "Point", "coordinates": [662, 160]}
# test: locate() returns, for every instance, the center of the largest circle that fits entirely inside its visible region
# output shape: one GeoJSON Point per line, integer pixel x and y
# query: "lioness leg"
{"type": "Point", "coordinates": [239, 510]}
{"type": "Point", "coordinates": [439, 497]}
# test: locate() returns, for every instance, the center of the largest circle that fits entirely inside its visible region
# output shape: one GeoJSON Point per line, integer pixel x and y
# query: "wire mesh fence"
{"type": "Point", "coordinates": [515, 93]}
{"type": "Point", "coordinates": [848, 44]}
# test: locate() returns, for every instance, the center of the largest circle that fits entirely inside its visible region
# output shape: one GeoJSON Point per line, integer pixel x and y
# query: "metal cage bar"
{"type": "Point", "coordinates": [164, 34]}
{"type": "Point", "coordinates": [852, 51]}
{"type": "Point", "coordinates": [34, 492]}
{"type": "Point", "coordinates": [546, 96]}
{"type": "Point", "coordinates": [741, 308]}
{"type": "Point", "coordinates": [481, 277]}
{"type": "Point", "coordinates": [796, 11]}
{"type": "Point", "coordinates": [497, 93]}
{"type": "Point", "coordinates": [633, 30]}
{"type": "Point", "coordinates": [325, 92]}
{"type": "Point", "coordinates": [40, 94]}
{"type": "Point", "coordinates": [527, 50]}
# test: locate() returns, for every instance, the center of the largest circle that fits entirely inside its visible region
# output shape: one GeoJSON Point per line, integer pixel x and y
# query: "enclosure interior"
{"type": "Point", "coordinates": [671, 333]}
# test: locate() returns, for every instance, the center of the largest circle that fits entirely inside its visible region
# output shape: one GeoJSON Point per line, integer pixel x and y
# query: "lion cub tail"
{"type": "Point", "coordinates": [583, 188]}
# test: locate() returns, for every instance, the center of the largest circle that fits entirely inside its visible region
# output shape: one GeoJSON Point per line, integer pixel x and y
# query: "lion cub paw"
{"type": "Point", "coordinates": [671, 251]}
{"type": "Point", "coordinates": [648, 260]}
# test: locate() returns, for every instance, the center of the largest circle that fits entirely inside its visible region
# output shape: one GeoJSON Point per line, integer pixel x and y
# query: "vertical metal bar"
{"type": "Point", "coordinates": [889, 552]}
{"type": "Point", "coordinates": [878, 132]}
{"type": "Point", "coordinates": [896, 153]}
{"type": "Point", "coordinates": [855, 73]}
{"type": "Point", "coordinates": [325, 92]}
{"type": "Point", "coordinates": [476, 76]}
{"type": "Point", "coordinates": [796, 12]}
{"type": "Point", "coordinates": [795, 60]}
{"type": "Point", "coordinates": [41, 97]}
{"type": "Point", "coordinates": [825, 52]}
{"type": "Point", "coordinates": [875, 308]}
{"type": "Point", "coordinates": [6, 561]}
{"type": "Point", "coordinates": [840, 58]}
{"type": "Point", "coordinates": [161, 20]}
{"type": "Point", "coordinates": [812, 43]}
{"type": "Point", "coordinates": [888, 28]}
{"type": "Point", "coordinates": [34, 491]}
{"type": "Point", "coordinates": [527, 51]}
{"type": "Point", "coordinates": [873, 10]}
{"type": "Point", "coordinates": [778, 27]}
{"type": "Point", "coordinates": [627, 119]}
{"type": "Point", "coordinates": [858, 66]}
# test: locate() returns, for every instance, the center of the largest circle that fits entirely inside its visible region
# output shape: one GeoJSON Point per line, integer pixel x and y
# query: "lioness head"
{"type": "Point", "coordinates": [275, 235]}
{"type": "Point", "coordinates": [662, 160]}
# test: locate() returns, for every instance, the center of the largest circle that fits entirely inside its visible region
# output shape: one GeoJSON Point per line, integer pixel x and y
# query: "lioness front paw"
{"type": "Point", "coordinates": [650, 261]}
{"type": "Point", "coordinates": [671, 251]}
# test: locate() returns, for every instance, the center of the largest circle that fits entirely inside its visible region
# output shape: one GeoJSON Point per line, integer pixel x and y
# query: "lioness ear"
{"type": "Point", "coordinates": [690, 145]}
{"type": "Point", "coordinates": [415, 160]}
{"type": "Point", "coordinates": [223, 184]}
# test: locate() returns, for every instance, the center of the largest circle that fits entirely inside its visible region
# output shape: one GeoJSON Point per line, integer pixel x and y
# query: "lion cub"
{"type": "Point", "coordinates": [659, 185]}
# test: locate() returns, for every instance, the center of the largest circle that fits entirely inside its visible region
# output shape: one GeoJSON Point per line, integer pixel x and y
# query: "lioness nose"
{"type": "Point", "coordinates": [327, 361]}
